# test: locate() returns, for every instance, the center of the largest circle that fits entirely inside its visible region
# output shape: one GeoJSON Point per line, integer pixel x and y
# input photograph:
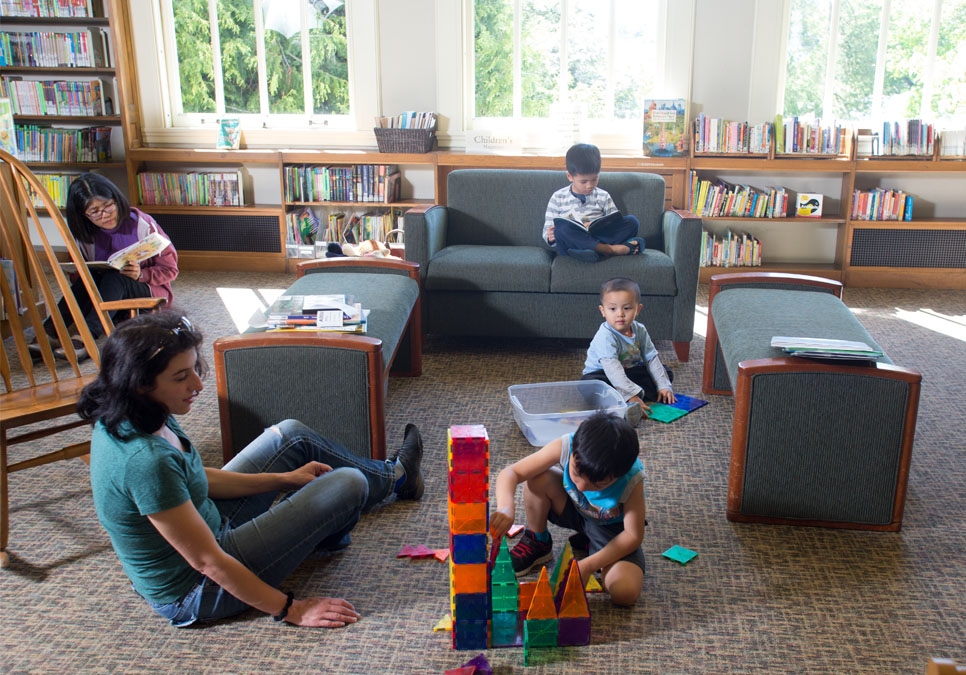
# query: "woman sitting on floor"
{"type": "Point", "coordinates": [200, 544]}
{"type": "Point", "coordinates": [103, 222]}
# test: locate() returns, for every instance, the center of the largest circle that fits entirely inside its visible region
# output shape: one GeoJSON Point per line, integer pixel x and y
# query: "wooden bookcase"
{"type": "Point", "coordinates": [111, 14]}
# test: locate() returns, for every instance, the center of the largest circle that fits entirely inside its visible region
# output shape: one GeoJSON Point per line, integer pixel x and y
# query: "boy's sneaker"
{"type": "Point", "coordinates": [530, 552]}
{"type": "Point", "coordinates": [410, 455]}
{"type": "Point", "coordinates": [580, 545]}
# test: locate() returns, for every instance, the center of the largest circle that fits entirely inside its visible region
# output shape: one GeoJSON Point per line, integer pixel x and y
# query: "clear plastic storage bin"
{"type": "Point", "coordinates": [549, 410]}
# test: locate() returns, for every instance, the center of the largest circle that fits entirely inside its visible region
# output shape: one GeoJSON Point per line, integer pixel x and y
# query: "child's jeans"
{"type": "Point", "coordinates": [639, 375]}
{"type": "Point", "coordinates": [272, 539]}
{"type": "Point", "coordinates": [568, 236]}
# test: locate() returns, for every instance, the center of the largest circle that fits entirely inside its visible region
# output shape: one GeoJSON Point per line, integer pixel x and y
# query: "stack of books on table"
{"type": "Point", "coordinates": [822, 348]}
{"type": "Point", "coordinates": [332, 313]}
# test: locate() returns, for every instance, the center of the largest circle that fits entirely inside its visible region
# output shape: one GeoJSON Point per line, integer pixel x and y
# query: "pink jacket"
{"type": "Point", "coordinates": [157, 272]}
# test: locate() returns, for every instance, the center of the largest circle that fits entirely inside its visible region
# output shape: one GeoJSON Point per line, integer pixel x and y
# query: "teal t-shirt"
{"type": "Point", "coordinates": [134, 476]}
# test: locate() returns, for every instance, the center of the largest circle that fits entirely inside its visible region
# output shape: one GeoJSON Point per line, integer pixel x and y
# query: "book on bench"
{"type": "Point", "coordinates": [825, 348]}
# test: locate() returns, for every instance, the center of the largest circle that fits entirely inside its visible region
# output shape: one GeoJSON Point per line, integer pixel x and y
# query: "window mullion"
{"type": "Point", "coordinates": [306, 58]}
{"type": "Point", "coordinates": [925, 105]}
{"type": "Point", "coordinates": [260, 57]}
{"type": "Point", "coordinates": [831, 62]}
{"type": "Point", "coordinates": [611, 64]}
{"type": "Point", "coordinates": [517, 62]}
{"type": "Point", "coordinates": [564, 94]}
{"type": "Point", "coordinates": [217, 71]}
{"type": "Point", "coordinates": [880, 60]}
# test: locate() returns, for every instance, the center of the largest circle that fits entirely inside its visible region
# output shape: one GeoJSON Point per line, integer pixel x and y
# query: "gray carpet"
{"type": "Point", "coordinates": [758, 598]}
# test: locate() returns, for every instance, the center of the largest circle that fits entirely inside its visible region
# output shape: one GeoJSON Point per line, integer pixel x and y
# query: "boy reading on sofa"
{"type": "Point", "coordinates": [622, 353]}
{"type": "Point", "coordinates": [582, 220]}
{"type": "Point", "coordinates": [590, 481]}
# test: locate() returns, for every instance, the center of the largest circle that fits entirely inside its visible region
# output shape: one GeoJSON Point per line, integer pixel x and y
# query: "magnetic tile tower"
{"type": "Point", "coordinates": [469, 578]}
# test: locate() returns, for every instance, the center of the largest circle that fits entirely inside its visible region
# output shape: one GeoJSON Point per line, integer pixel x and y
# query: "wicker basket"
{"type": "Point", "coordinates": [405, 140]}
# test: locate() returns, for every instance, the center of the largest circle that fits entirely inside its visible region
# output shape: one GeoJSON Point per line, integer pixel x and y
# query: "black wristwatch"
{"type": "Point", "coordinates": [289, 597]}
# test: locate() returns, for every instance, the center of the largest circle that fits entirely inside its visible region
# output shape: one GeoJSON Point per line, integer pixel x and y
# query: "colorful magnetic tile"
{"type": "Point", "coordinates": [471, 606]}
{"type": "Point", "coordinates": [462, 670]}
{"type": "Point", "coordinates": [470, 634]}
{"type": "Point", "coordinates": [445, 623]}
{"type": "Point", "coordinates": [542, 605]}
{"type": "Point", "coordinates": [514, 530]}
{"type": "Point", "coordinates": [526, 594]}
{"type": "Point", "coordinates": [481, 664]}
{"type": "Point", "coordinates": [687, 403]}
{"type": "Point", "coordinates": [468, 578]}
{"type": "Point", "coordinates": [468, 518]}
{"type": "Point", "coordinates": [476, 462]}
{"type": "Point", "coordinates": [468, 487]}
{"type": "Point", "coordinates": [680, 554]}
{"type": "Point", "coordinates": [540, 632]}
{"type": "Point", "coordinates": [467, 431]}
{"type": "Point", "coordinates": [661, 412]}
{"type": "Point", "coordinates": [405, 551]}
{"type": "Point", "coordinates": [468, 548]}
{"type": "Point", "coordinates": [506, 602]}
{"type": "Point", "coordinates": [593, 586]}
{"type": "Point", "coordinates": [574, 601]}
{"type": "Point", "coordinates": [560, 570]}
{"type": "Point", "coordinates": [573, 631]}
{"type": "Point", "coordinates": [421, 551]}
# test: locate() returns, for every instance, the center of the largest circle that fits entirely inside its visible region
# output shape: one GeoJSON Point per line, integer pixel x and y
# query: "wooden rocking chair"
{"type": "Point", "coordinates": [41, 393]}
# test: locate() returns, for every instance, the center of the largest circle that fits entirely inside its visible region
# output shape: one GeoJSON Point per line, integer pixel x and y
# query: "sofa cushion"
{"type": "Point", "coordinates": [490, 268]}
{"type": "Point", "coordinates": [652, 270]}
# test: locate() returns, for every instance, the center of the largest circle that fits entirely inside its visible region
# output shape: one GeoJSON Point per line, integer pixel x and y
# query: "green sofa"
{"type": "Point", "coordinates": [485, 270]}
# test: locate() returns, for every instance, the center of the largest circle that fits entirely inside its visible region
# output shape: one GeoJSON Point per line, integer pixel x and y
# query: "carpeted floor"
{"type": "Point", "coordinates": [762, 599]}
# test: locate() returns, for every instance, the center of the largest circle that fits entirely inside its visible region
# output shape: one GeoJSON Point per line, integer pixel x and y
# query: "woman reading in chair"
{"type": "Point", "coordinates": [200, 544]}
{"type": "Point", "coordinates": [103, 222]}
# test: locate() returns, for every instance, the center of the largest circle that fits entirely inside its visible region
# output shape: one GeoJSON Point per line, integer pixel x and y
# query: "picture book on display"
{"type": "Point", "coordinates": [665, 128]}
{"type": "Point", "coordinates": [141, 250]}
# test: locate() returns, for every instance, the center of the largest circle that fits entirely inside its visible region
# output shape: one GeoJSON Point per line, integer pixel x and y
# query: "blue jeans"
{"type": "Point", "coordinates": [272, 540]}
{"type": "Point", "coordinates": [568, 236]}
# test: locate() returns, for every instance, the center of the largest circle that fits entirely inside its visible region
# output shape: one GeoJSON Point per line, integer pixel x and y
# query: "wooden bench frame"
{"type": "Point", "coordinates": [371, 346]}
{"type": "Point", "coordinates": [747, 370]}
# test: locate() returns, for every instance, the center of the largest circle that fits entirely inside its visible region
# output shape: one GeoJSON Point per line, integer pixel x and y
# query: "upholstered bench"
{"type": "Point", "coordinates": [814, 442]}
{"type": "Point", "coordinates": [333, 382]}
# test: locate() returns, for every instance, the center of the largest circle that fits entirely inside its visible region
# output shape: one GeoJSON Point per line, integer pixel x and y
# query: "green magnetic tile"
{"type": "Point", "coordinates": [680, 554]}
{"type": "Point", "coordinates": [665, 413]}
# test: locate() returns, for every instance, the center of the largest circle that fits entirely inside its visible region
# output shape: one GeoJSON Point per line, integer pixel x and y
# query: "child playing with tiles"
{"type": "Point", "coordinates": [622, 353]}
{"type": "Point", "coordinates": [590, 481]}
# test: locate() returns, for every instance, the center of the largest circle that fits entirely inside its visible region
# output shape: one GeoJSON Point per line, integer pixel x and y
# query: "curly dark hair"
{"type": "Point", "coordinates": [86, 187]}
{"type": "Point", "coordinates": [131, 360]}
{"type": "Point", "coordinates": [604, 447]}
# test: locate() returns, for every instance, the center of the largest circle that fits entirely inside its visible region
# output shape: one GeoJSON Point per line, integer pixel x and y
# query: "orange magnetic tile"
{"type": "Point", "coordinates": [468, 577]}
{"type": "Point", "coordinates": [467, 518]}
{"type": "Point", "coordinates": [574, 603]}
{"type": "Point", "coordinates": [542, 607]}
{"type": "Point", "coordinates": [526, 594]}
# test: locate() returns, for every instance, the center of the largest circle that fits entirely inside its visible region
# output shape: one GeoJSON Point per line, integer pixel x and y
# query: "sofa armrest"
{"type": "Point", "coordinates": [363, 264]}
{"type": "Point", "coordinates": [682, 243]}
{"type": "Point", "coordinates": [425, 234]}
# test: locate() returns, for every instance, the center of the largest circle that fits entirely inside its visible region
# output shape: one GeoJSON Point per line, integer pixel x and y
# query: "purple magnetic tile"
{"type": "Point", "coordinates": [573, 631]}
{"type": "Point", "coordinates": [687, 402]}
{"type": "Point", "coordinates": [482, 665]}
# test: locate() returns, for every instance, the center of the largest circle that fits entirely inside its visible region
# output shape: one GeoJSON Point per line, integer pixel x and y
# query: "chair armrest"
{"type": "Point", "coordinates": [425, 234]}
{"type": "Point", "coordinates": [362, 264]}
{"type": "Point", "coordinates": [133, 303]}
{"type": "Point", "coordinates": [682, 243]}
{"type": "Point", "coordinates": [722, 282]}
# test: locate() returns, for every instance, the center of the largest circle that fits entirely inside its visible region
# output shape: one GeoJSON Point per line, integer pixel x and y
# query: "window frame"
{"type": "Point", "coordinates": [164, 123]}
{"type": "Point", "coordinates": [455, 80]}
{"type": "Point", "coordinates": [831, 64]}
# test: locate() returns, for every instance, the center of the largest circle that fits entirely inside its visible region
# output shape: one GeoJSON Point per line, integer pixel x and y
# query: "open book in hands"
{"type": "Point", "coordinates": [612, 217]}
{"type": "Point", "coordinates": [146, 248]}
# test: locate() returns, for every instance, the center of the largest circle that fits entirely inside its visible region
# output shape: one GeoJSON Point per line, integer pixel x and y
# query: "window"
{"type": "Point", "coordinates": [876, 59]}
{"type": "Point", "coordinates": [534, 60]}
{"type": "Point", "coordinates": [278, 62]}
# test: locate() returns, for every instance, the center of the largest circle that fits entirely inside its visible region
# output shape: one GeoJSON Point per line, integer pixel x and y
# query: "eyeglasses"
{"type": "Point", "coordinates": [95, 214]}
{"type": "Point", "coordinates": [183, 325]}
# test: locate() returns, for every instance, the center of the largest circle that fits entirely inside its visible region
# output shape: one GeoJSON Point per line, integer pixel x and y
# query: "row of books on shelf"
{"type": "Point", "coordinates": [52, 8]}
{"type": "Point", "coordinates": [881, 204]}
{"type": "Point", "coordinates": [57, 97]}
{"type": "Point", "coordinates": [730, 249]}
{"type": "Point", "coordinates": [906, 137]}
{"type": "Point", "coordinates": [305, 227]}
{"type": "Point", "coordinates": [720, 198]}
{"type": "Point", "coordinates": [811, 137]}
{"type": "Point", "coordinates": [377, 183]}
{"type": "Point", "coordinates": [717, 135]}
{"type": "Point", "coordinates": [952, 143]}
{"type": "Point", "coordinates": [201, 188]}
{"type": "Point", "coordinates": [51, 144]}
{"type": "Point", "coordinates": [408, 120]}
{"type": "Point", "coordinates": [88, 48]}
{"type": "Point", "coordinates": [334, 312]}
{"type": "Point", "coordinates": [56, 185]}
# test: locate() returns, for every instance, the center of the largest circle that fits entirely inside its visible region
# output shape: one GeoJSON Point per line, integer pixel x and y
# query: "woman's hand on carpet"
{"type": "Point", "coordinates": [322, 613]}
